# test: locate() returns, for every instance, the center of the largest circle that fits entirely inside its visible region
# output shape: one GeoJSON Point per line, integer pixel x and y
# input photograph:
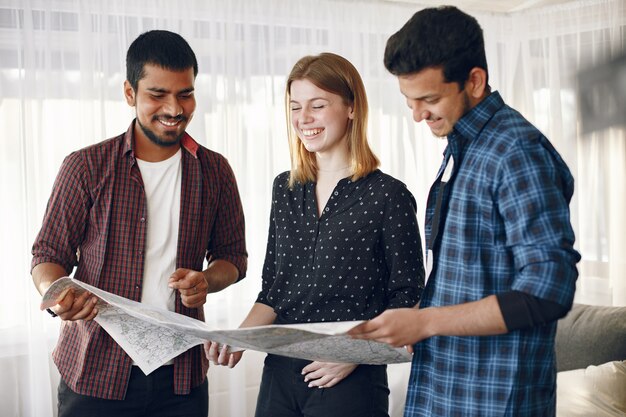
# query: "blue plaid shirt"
{"type": "Point", "coordinates": [504, 226]}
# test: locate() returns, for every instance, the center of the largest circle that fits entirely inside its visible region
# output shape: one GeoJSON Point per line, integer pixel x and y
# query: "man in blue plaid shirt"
{"type": "Point", "coordinates": [501, 265]}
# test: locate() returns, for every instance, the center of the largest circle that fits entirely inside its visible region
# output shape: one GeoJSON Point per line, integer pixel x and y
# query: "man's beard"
{"type": "Point", "coordinates": [159, 141]}
{"type": "Point", "coordinates": [466, 108]}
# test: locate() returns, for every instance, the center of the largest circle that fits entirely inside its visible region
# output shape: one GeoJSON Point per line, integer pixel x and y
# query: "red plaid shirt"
{"type": "Point", "coordinates": [96, 220]}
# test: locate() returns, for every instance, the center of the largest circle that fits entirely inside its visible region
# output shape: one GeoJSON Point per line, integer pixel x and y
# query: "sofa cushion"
{"type": "Point", "coordinates": [598, 391]}
{"type": "Point", "coordinates": [590, 335]}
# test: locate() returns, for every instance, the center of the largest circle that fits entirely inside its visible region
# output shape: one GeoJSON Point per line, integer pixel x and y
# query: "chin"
{"type": "Point", "coordinates": [310, 147]}
{"type": "Point", "coordinates": [441, 133]}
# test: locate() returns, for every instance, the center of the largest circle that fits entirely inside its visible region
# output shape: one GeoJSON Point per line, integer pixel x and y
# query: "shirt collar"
{"type": "Point", "coordinates": [186, 142]}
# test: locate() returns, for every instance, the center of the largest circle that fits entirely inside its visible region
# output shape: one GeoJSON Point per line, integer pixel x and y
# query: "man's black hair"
{"type": "Point", "coordinates": [439, 37]}
{"type": "Point", "coordinates": [162, 48]}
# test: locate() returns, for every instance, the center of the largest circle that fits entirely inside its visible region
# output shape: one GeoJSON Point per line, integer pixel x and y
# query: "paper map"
{"type": "Point", "coordinates": [152, 337]}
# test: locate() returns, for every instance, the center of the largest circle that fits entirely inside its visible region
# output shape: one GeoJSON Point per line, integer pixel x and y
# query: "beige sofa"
{"type": "Point", "coordinates": [591, 362]}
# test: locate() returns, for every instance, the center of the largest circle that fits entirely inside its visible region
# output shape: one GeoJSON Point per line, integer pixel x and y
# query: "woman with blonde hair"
{"type": "Point", "coordinates": [343, 244]}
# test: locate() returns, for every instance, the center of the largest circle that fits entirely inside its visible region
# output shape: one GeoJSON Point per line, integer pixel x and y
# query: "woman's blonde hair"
{"type": "Point", "coordinates": [337, 75]}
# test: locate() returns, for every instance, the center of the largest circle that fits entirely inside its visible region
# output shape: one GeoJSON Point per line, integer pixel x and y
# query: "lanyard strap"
{"type": "Point", "coordinates": [434, 230]}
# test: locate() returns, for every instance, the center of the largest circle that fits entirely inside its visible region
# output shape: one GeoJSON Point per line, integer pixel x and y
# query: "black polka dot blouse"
{"type": "Point", "coordinates": [360, 257]}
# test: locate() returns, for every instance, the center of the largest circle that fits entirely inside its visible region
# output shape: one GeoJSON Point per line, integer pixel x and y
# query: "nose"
{"type": "Point", "coordinates": [419, 112]}
{"type": "Point", "coordinates": [305, 116]}
{"type": "Point", "coordinates": [421, 115]}
{"type": "Point", "coordinates": [173, 107]}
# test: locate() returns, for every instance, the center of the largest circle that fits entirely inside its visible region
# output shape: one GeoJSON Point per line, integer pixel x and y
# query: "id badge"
{"type": "Point", "coordinates": [429, 263]}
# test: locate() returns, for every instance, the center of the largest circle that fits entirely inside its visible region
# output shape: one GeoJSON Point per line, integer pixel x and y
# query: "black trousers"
{"type": "Point", "coordinates": [149, 396]}
{"type": "Point", "coordinates": [283, 392]}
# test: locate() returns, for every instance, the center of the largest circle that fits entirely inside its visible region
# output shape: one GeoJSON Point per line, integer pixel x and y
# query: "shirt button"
{"type": "Point", "coordinates": [143, 220]}
{"type": "Point", "coordinates": [336, 193]}
{"type": "Point", "coordinates": [326, 209]}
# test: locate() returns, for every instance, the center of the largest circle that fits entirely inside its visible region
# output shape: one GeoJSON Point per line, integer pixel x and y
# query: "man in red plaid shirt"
{"type": "Point", "coordinates": [137, 215]}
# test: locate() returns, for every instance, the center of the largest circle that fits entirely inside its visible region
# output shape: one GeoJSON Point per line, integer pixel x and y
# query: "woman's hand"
{"type": "Point", "coordinates": [326, 374]}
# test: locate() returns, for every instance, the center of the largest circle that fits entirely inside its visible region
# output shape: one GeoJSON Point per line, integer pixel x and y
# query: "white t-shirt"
{"type": "Point", "coordinates": [162, 185]}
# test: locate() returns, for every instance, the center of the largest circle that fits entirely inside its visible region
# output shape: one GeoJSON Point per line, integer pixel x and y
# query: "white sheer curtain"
{"type": "Point", "coordinates": [61, 75]}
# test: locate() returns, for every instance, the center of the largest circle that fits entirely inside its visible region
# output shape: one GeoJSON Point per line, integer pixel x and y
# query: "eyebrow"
{"type": "Point", "coordinates": [312, 99]}
{"type": "Point", "coordinates": [424, 97]}
{"type": "Point", "coordinates": [164, 91]}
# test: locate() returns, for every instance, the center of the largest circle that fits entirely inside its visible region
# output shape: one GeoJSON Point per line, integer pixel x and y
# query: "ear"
{"type": "Point", "coordinates": [476, 84]}
{"type": "Point", "coordinates": [351, 113]}
{"type": "Point", "coordinates": [129, 94]}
